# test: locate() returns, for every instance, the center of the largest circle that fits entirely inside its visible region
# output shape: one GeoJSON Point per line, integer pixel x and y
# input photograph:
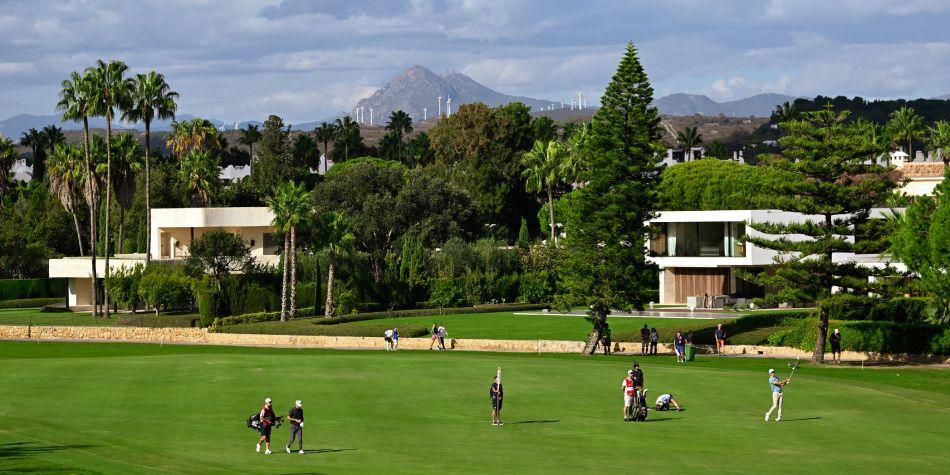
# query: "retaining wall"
{"type": "Point", "coordinates": [201, 336]}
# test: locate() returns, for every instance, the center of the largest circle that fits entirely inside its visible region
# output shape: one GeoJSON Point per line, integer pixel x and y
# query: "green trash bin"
{"type": "Point", "coordinates": [690, 352]}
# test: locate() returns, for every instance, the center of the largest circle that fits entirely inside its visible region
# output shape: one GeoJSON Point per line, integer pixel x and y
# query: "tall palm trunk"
{"type": "Point", "coordinates": [148, 193]}
{"type": "Point", "coordinates": [108, 207]}
{"type": "Point", "coordinates": [551, 211]}
{"type": "Point", "coordinates": [76, 224]}
{"type": "Point", "coordinates": [283, 286]}
{"type": "Point", "coordinates": [329, 308]}
{"type": "Point", "coordinates": [93, 215]}
{"type": "Point", "coordinates": [118, 247]}
{"type": "Point", "coordinates": [293, 273]}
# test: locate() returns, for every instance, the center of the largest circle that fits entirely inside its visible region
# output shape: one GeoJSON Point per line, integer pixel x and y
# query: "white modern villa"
{"type": "Point", "coordinates": [172, 231]}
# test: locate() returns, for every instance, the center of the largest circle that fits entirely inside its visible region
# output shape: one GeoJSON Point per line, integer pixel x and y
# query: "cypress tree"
{"type": "Point", "coordinates": [605, 267]}
{"type": "Point", "coordinates": [834, 181]}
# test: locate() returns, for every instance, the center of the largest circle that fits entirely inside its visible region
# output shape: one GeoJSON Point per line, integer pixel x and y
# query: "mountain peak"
{"type": "Point", "coordinates": [759, 105]}
{"type": "Point", "coordinates": [417, 91]}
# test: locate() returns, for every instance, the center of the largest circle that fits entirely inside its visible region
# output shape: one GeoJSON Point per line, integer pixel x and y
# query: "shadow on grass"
{"type": "Point", "coordinates": [325, 451]}
{"type": "Point", "coordinates": [801, 419]}
{"type": "Point", "coordinates": [541, 421]}
{"type": "Point", "coordinates": [13, 450]}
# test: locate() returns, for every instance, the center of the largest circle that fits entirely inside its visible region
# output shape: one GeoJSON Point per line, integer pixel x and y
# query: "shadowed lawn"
{"type": "Point", "coordinates": [119, 408]}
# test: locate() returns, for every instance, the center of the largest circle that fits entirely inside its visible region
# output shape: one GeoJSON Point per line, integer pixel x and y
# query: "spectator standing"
{"type": "Point", "coordinates": [679, 344]}
{"type": "Point", "coordinates": [835, 340]}
{"type": "Point", "coordinates": [395, 339]}
{"type": "Point", "coordinates": [605, 338]}
{"type": "Point", "coordinates": [435, 335]}
{"type": "Point", "coordinates": [296, 426]}
{"type": "Point", "coordinates": [644, 340]}
{"type": "Point", "coordinates": [654, 340]}
{"type": "Point", "coordinates": [720, 335]}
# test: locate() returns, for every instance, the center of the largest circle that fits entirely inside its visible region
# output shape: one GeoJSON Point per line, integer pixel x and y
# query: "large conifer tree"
{"type": "Point", "coordinates": [605, 266]}
{"type": "Point", "coordinates": [833, 181]}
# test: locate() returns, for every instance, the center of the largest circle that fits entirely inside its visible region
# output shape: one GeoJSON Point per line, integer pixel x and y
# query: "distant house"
{"type": "Point", "coordinates": [173, 230]}
{"type": "Point", "coordinates": [679, 155]}
{"type": "Point", "coordinates": [21, 171]}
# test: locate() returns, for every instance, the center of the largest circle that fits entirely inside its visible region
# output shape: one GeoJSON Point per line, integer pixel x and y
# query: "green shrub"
{"type": "Point", "coordinates": [207, 306]}
{"type": "Point", "coordinates": [425, 312]}
{"type": "Point", "coordinates": [11, 289]}
{"type": "Point", "coordinates": [32, 303]}
{"type": "Point", "coordinates": [305, 312]}
{"type": "Point", "coordinates": [158, 321]}
{"type": "Point", "coordinates": [123, 284]}
{"type": "Point", "coordinates": [859, 307]}
{"type": "Point", "coordinates": [869, 336]}
{"type": "Point", "coordinates": [444, 292]}
{"type": "Point", "coordinates": [535, 287]}
{"type": "Point", "coordinates": [164, 290]}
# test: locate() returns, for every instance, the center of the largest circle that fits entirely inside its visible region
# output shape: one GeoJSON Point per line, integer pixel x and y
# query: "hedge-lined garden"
{"type": "Point", "coordinates": [11, 289]}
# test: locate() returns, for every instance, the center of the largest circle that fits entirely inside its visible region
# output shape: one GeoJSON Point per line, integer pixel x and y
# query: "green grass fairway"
{"type": "Point", "coordinates": [511, 326]}
{"type": "Point", "coordinates": [117, 408]}
{"type": "Point", "coordinates": [33, 316]}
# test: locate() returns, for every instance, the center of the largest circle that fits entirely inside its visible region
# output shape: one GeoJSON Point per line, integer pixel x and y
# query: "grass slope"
{"type": "Point", "coordinates": [118, 408]}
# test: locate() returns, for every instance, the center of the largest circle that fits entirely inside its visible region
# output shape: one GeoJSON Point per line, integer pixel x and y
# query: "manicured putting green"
{"type": "Point", "coordinates": [116, 408]}
{"type": "Point", "coordinates": [518, 326]}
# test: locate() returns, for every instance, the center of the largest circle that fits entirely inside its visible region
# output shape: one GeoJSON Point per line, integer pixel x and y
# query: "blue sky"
{"type": "Point", "coordinates": [306, 60]}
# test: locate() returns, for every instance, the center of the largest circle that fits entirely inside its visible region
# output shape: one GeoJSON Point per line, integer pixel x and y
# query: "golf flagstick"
{"type": "Point", "coordinates": [498, 375]}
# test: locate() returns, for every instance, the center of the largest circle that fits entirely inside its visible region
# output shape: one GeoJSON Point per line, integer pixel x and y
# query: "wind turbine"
{"type": "Point", "coordinates": [448, 106]}
{"type": "Point", "coordinates": [440, 106]}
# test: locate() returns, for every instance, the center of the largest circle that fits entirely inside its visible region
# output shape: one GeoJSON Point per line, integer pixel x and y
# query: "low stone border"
{"type": "Point", "coordinates": [201, 336]}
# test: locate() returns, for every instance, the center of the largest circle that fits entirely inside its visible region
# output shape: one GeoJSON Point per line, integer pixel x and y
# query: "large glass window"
{"type": "Point", "coordinates": [716, 239]}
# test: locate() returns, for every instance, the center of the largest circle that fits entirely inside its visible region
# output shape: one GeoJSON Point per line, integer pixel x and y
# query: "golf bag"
{"type": "Point", "coordinates": [254, 422]}
{"type": "Point", "coordinates": [640, 407]}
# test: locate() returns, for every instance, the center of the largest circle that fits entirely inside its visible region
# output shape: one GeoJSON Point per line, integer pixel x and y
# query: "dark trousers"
{"type": "Point", "coordinates": [296, 432]}
{"type": "Point", "coordinates": [653, 345]}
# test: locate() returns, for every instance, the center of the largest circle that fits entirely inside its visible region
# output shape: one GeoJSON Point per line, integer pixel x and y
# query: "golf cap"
{"type": "Point", "coordinates": [771, 371]}
{"type": "Point", "coordinates": [266, 400]}
{"type": "Point", "coordinates": [299, 403]}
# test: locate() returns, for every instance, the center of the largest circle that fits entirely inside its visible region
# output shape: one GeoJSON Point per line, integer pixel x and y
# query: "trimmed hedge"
{"type": "Point", "coordinates": [859, 307]}
{"type": "Point", "coordinates": [258, 317]}
{"type": "Point", "coordinates": [426, 312]}
{"type": "Point", "coordinates": [159, 321]}
{"type": "Point", "coordinates": [31, 303]}
{"type": "Point", "coordinates": [303, 327]}
{"type": "Point", "coordinates": [32, 288]}
{"type": "Point", "coordinates": [870, 336]}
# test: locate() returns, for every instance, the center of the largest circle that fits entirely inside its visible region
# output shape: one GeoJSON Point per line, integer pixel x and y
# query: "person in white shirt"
{"type": "Point", "coordinates": [663, 402]}
{"type": "Point", "coordinates": [442, 334]}
{"type": "Point", "coordinates": [389, 339]}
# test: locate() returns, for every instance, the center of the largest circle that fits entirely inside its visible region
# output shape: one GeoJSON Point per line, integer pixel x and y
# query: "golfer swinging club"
{"type": "Point", "coordinates": [776, 384]}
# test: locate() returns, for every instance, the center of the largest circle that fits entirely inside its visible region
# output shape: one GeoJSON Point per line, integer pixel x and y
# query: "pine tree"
{"type": "Point", "coordinates": [605, 267]}
{"type": "Point", "coordinates": [830, 180]}
{"type": "Point", "coordinates": [524, 238]}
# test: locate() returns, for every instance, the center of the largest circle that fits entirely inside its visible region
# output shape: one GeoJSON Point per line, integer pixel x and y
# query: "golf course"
{"type": "Point", "coordinates": [124, 408]}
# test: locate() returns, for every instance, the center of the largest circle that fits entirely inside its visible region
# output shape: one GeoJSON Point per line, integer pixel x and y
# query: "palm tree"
{"type": "Point", "coordinates": [249, 137]}
{"type": "Point", "coordinates": [400, 125]}
{"type": "Point", "coordinates": [334, 236]}
{"type": "Point", "coordinates": [905, 124]}
{"type": "Point", "coordinates": [325, 134]}
{"type": "Point", "coordinates": [939, 140]}
{"type": "Point", "coordinates": [542, 166]}
{"type": "Point", "coordinates": [198, 172]}
{"type": "Point", "coordinates": [689, 138]}
{"type": "Point", "coordinates": [35, 140]}
{"type": "Point", "coordinates": [346, 129]}
{"type": "Point", "coordinates": [784, 112]}
{"type": "Point", "coordinates": [8, 156]}
{"type": "Point", "coordinates": [54, 136]}
{"type": "Point", "coordinates": [64, 173]}
{"type": "Point", "coordinates": [128, 161]}
{"type": "Point", "coordinates": [111, 91]}
{"type": "Point", "coordinates": [152, 98]}
{"type": "Point", "coordinates": [875, 137]}
{"type": "Point", "coordinates": [291, 204]}
{"type": "Point", "coordinates": [574, 164]}
{"type": "Point", "coordinates": [75, 104]}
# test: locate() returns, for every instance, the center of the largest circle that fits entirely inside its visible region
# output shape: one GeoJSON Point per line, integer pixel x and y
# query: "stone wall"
{"type": "Point", "coordinates": [201, 336]}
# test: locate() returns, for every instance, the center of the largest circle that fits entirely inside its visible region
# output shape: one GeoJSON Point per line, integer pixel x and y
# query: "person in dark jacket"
{"type": "Point", "coordinates": [296, 425]}
{"type": "Point", "coordinates": [835, 340]}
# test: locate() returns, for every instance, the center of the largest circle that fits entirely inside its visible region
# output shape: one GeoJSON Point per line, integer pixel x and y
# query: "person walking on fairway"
{"type": "Point", "coordinates": [629, 389]}
{"type": "Point", "coordinates": [442, 334]}
{"type": "Point", "coordinates": [296, 425]}
{"type": "Point", "coordinates": [679, 343]}
{"type": "Point", "coordinates": [654, 340]}
{"type": "Point", "coordinates": [720, 335]}
{"type": "Point", "coordinates": [497, 394]}
{"type": "Point", "coordinates": [644, 340]}
{"type": "Point", "coordinates": [835, 340]}
{"type": "Point", "coordinates": [776, 385]}
{"type": "Point", "coordinates": [267, 419]}
{"type": "Point", "coordinates": [435, 335]}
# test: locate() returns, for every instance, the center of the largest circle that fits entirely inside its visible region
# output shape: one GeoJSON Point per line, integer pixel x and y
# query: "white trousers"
{"type": "Point", "coordinates": [776, 404]}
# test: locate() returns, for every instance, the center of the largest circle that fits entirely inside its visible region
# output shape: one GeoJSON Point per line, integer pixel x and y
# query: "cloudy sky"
{"type": "Point", "coordinates": [309, 59]}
